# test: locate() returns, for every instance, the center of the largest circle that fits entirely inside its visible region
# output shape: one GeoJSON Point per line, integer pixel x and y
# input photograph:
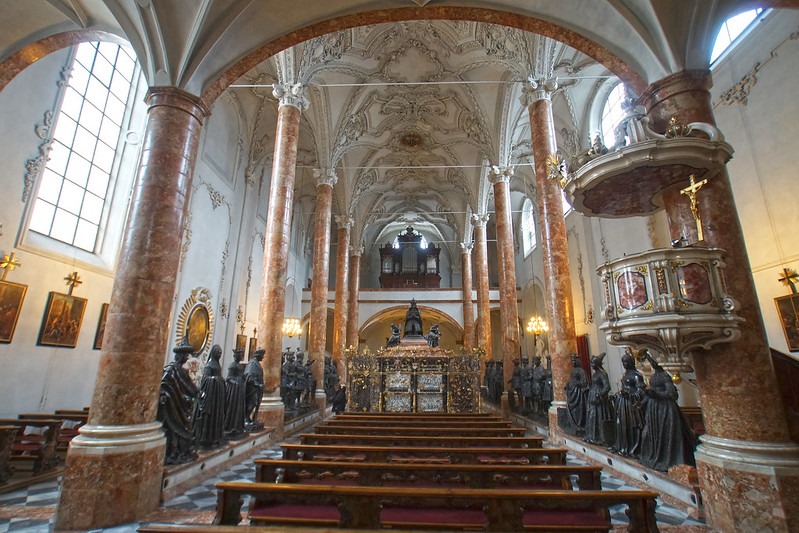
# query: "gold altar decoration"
{"type": "Point", "coordinates": [414, 379]}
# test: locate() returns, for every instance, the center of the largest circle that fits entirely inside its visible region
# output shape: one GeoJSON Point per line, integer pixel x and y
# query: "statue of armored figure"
{"type": "Point", "coordinates": [176, 407]}
{"type": "Point", "coordinates": [434, 336]}
{"type": "Point", "coordinates": [254, 390]}
{"type": "Point", "coordinates": [395, 339]}
{"type": "Point", "coordinates": [331, 378]}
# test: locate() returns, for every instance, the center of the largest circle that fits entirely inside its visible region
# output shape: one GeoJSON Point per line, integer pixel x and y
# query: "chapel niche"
{"type": "Point", "coordinates": [406, 264]}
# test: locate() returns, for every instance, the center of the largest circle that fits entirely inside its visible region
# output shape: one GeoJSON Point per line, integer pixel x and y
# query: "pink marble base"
{"type": "Point", "coordinates": [272, 416]}
{"type": "Point", "coordinates": [738, 501]}
{"type": "Point", "coordinates": [121, 488]}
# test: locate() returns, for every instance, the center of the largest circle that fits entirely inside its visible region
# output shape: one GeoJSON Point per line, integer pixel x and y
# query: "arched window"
{"type": "Point", "coordinates": [77, 180]}
{"type": "Point", "coordinates": [528, 227]}
{"type": "Point", "coordinates": [612, 113]}
{"type": "Point", "coordinates": [731, 30]}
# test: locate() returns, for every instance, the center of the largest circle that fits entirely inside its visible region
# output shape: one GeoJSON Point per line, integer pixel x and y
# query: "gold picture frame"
{"type": "Point", "coordinates": [62, 320]}
{"type": "Point", "coordinates": [12, 295]}
{"type": "Point", "coordinates": [787, 307]}
{"type": "Point", "coordinates": [196, 322]}
{"type": "Point", "coordinates": [98, 336]}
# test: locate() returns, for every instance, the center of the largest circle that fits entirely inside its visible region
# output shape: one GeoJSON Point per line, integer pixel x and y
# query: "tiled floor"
{"type": "Point", "coordinates": [31, 510]}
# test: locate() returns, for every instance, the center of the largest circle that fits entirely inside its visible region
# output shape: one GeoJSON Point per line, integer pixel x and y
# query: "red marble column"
{"type": "Point", "coordinates": [554, 246]}
{"type": "Point", "coordinates": [276, 249]}
{"type": "Point", "coordinates": [355, 290]}
{"type": "Point", "coordinates": [317, 331]}
{"type": "Point", "coordinates": [481, 272]}
{"type": "Point", "coordinates": [342, 289]}
{"type": "Point", "coordinates": [509, 310]}
{"type": "Point", "coordinates": [468, 305]}
{"type": "Point", "coordinates": [114, 467]}
{"type": "Point", "coordinates": [748, 466]}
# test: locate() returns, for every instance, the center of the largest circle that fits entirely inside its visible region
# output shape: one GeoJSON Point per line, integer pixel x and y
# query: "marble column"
{"type": "Point", "coordinates": [342, 289]}
{"type": "Point", "coordinates": [481, 277]}
{"type": "Point", "coordinates": [317, 331]}
{"type": "Point", "coordinates": [554, 246]}
{"type": "Point", "coordinates": [353, 310]}
{"type": "Point", "coordinates": [276, 249]}
{"type": "Point", "coordinates": [748, 466]}
{"type": "Point", "coordinates": [114, 466]}
{"type": "Point", "coordinates": [509, 309]}
{"type": "Point", "coordinates": [468, 305]}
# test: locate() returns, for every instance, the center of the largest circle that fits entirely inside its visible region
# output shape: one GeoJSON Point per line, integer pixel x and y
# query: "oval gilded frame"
{"type": "Point", "coordinates": [196, 320]}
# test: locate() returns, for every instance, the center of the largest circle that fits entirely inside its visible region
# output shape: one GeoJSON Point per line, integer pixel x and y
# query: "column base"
{"type": "Point", "coordinates": [320, 399]}
{"type": "Point", "coordinates": [272, 413]}
{"type": "Point", "coordinates": [112, 476]}
{"type": "Point", "coordinates": [749, 486]}
{"type": "Point", "coordinates": [556, 434]}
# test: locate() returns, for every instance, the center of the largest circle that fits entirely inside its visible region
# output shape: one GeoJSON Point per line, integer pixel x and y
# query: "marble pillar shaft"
{"type": "Point", "coordinates": [317, 330]}
{"type": "Point", "coordinates": [342, 292]}
{"type": "Point", "coordinates": [352, 305]}
{"type": "Point", "coordinates": [509, 309]}
{"type": "Point", "coordinates": [276, 249]}
{"type": "Point", "coordinates": [468, 305]}
{"type": "Point", "coordinates": [114, 467]}
{"type": "Point", "coordinates": [554, 247]}
{"type": "Point", "coordinates": [726, 370]}
{"type": "Point", "coordinates": [483, 302]}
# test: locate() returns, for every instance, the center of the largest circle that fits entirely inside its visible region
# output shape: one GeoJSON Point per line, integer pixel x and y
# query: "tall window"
{"type": "Point", "coordinates": [612, 114]}
{"type": "Point", "coordinates": [75, 182]}
{"type": "Point", "coordinates": [731, 30]}
{"type": "Point", "coordinates": [528, 227]}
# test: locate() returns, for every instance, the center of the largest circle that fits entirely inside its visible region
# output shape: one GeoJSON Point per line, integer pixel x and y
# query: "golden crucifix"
{"type": "Point", "coordinates": [789, 277]}
{"type": "Point", "coordinates": [690, 192]}
{"type": "Point", "coordinates": [8, 263]}
{"type": "Point", "coordinates": [73, 280]}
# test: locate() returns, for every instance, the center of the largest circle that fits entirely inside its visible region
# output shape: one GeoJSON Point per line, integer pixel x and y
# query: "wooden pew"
{"type": "Point", "coordinates": [72, 421]}
{"type": "Point", "coordinates": [412, 416]}
{"type": "Point", "coordinates": [428, 424]}
{"type": "Point", "coordinates": [424, 454]}
{"type": "Point", "coordinates": [421, 440]}
{"type": "Point", "coordinates": [8, 435]}
{"type": "Point", "coordinates": [41, 449]}
{"type": "Point", "coordinates": [428, 475]}
{"type": "Point", "coordinates": [412, 508]}
{"type": "Point", "coordinates": [424, 431]}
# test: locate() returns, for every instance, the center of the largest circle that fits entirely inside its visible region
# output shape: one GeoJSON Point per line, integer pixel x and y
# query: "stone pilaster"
{"type": "Point", "coordinates": [748, 466]}
{"type": "Point", "coordinates": [317, 331]}
{"type": "Point", "coordinates": [468, 304]}
{"type": "Point", "coordinates": [276, 249]}
{"type": "Point", "coordinates": [342, 289]}
{"type": "Point", "coordinates": [481, 275]}
{"type": "Point", "coordinates": [355, 288]}
{"type": "Point", "coordinates": [114, 467]}
{"type": "Point", "coordinates": [554, 246]}
{"type": "Point", "coordinates": [509, 310]}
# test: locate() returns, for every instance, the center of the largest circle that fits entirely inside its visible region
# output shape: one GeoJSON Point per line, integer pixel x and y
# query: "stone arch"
{"type": "Point", "coordinates": [376, 326]}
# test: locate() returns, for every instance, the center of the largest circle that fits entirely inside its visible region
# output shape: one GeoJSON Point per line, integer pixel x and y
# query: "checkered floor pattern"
{"type": "Point", "coordinates": [203, 498]}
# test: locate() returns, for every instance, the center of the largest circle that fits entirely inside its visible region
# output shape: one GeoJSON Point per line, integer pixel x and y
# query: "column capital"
{"type": "Point", "coordinates": [480, 219]}
{"type": "Point", "coordinates": [500, 174]}
{"type": "Point", "coordinates": [539, 89]}
{"type": "Point", "coordinates": [344, 221]}
{"type": "Point", "coordinates": [467, 247]}
{"type": "Point", "coordinates": [356, 250]}
{"type": "Point", "coordinates": [325, 176]}
{"type": "Point", "coordinates": [291, 94]}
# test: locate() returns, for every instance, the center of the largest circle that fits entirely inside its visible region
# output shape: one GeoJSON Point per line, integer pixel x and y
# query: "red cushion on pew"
{"type": "Point", "coordinates": [433, 515]}
{"type": "Point", "coordinates": [578, 517]}
{"type": "Point", "coordinates": [290, 510]}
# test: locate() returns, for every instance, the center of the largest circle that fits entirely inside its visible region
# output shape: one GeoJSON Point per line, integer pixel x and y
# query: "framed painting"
{"type": "Point", "coordinates": [251, 348]}
{"type": "Point", "coordinates": [241, 343]}
{"type": "Point", "coordinates": [787, 309]}
{"type": "Point", "coordinates": [98, 336]}
{"type": "Point", "coordinates": [63, 317]}
{"type": "Point", "coordinates": [11, 297]}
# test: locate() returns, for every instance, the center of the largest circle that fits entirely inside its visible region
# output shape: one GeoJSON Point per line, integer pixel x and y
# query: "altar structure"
{"type": "Point", "coordinates": [413, 377]}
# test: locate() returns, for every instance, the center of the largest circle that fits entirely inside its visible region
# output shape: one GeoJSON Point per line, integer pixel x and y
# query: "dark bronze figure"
{"type": "Point", "coordinates": [394, 340]}
{"type": "Point", "coordinates": [433, 336]}
{"type": "Point", "coordinates": [599, 418]}
{"type": "Point", "coordinates": [210, 422]}
{"type": "Point", "coordinates": [576, 393]}
{"type": "Point", "coordinates": [235, 393]}
{"type": "Point", "coordinates": [628, 403]}
{"type": "Point", "coordinates": [176, 407]}
{"type": "Point", "coordinates": [254, 391]}
{"type": "Point", "coordinates": [413, 321]}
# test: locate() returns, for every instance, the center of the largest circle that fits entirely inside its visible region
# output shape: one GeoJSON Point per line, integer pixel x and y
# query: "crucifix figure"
{"type": "Point", "coordinates": [73, 280]}
{"type": "Point", "coordinates": [690, 192]}
{"type": "Point", "coordinates": [789, 277]}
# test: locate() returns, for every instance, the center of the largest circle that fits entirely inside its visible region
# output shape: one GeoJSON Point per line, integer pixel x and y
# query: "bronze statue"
{"type": "Point", "coordinates": [413, 321]}
{"type": "Point", "coordinates": [667, 438]}
{"type": "Point", "coordinates": [254, 390]}
{"type": "Point", "coordinates": [434, 336]}
{"type": "Point", "coordinates": [629, 416]}
{"type": "Point", "coordinates": [210, 422]}
{"type": "Point", "coordinates": [394, 340]}
{"type": "Point", "coordinates": [176, 407]}
{"type": "Point", "coordinates": [599, 411]}
{"type": "Point", "coordinates": [576, 392]}
{"type": "Point", "coordinates": [340, 399]}
{"type": "Point", "coordinates": [235, 397]}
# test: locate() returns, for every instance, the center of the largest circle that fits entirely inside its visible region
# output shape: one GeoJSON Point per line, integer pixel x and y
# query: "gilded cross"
{"type": "Point", "coordinates": [690, 192]}
{"type": "Point", "coordinates": [789, 277]}
{"type": "Point", "coordinates": [73, 280]}
{"type": "Point", "coordinates": [8, 263]}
